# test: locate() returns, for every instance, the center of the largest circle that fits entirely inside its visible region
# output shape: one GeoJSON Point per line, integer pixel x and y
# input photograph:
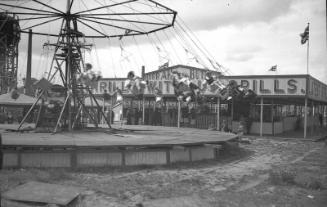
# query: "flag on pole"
{"type": "Point", "coordinates": [165, 65]}
{"type": "Point", "coordinates": [273, 68]}
{"type": "Point", "coordinates": [305, 35]}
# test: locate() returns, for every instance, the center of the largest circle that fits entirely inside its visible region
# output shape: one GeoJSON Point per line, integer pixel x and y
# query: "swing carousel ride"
{"type": "Point", "coordinates": [72, 23]}
{"type": "Point", "coordinates": [70, 80]}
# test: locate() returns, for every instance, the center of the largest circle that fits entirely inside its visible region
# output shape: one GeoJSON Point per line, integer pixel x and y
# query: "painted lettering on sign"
{"type": "Point", "coordinates": [274, 86]}
{"type": "Point", "coordinates": [110, 85]}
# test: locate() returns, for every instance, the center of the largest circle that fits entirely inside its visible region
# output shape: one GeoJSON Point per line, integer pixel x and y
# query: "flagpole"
{"type": "Point", "coordinates": [308, 51]}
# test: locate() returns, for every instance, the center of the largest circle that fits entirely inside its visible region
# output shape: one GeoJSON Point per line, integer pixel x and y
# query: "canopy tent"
{"type": "Point", "coordinates": [22, 100]}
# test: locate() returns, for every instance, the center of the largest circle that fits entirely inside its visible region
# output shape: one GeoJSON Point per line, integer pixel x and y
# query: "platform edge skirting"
{"type": "Point", "coordinates": [85, 158]}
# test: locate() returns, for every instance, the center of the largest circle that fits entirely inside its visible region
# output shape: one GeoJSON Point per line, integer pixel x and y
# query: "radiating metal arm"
{"type": "Point", "coordinates": [101, 33]}
{"type": "Point", "coordinates": [50, 7]}
{"type": "Point", "coordinates": [27, 8]}
{"type": "Point", "coordinates": [110, 25]}
{"type": "Point", "coordinates": [125, 20]}
{"type": "Point", "coordinates": [33, 18]}
{"type": "Point", "coordinates": [45, 22]}
{"type": "Point", "coordinates": [107, 6]}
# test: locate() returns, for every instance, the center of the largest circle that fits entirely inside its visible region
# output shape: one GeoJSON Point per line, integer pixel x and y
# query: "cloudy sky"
{"type": "Point", "coordinates": [245, 36]}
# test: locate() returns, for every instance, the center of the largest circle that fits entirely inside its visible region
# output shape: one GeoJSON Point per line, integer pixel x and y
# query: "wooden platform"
{"type": "Point", "coordinates": [127, 146]}
{"type": "Point", "coordinates": [128, 136]}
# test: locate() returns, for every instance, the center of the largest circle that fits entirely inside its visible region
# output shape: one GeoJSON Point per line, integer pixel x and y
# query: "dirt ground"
{"type": "Point", "coordinates": [265, 172]}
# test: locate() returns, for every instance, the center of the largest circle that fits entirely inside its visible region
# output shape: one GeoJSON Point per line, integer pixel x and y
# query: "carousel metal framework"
{"type": "Point", "coordinates": [9, 39]}
{"type": "Point", "coordinates": [75, 25]}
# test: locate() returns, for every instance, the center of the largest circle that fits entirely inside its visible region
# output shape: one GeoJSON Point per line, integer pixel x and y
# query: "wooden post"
{"type": "Point", "coordinates": [323, 115]}
{"type": "Point", "coordinates": [121, 113]}
{"type": "Point", "coordinates": [272, 118]}
{"type": "Point", "coordinates": [305, 117]}
{"type": "Point", "coordinates": [261, 116]}
{"type": "Point", "coordinates": [312, 117]}
{"type": "Point", "coordinates": [179, 114]}
{"type": "Point", "coordinates": [1, 156]}
{"type": "Point", "coordinates": [218, 113]}
{"type": "Point", "coordinates": [111, 107]}
{"type": "Point", "coordinates": [232, 113]}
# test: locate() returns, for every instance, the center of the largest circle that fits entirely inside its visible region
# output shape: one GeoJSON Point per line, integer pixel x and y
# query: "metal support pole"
{"type": "Point", "coordinates": [28, 89]}
{"type": "Point", "coordinates": [143, 111]}
{"type": "Point", "coordinates": [305, 117]}
{"type": "Point", "coordinates": [261, 116]}
{"type": "Point", "coordinates": [61, 113]}
{"type": "Point", "coordinates": [218, 113]}
{"type": "Point", "coordinates": [308, 43]}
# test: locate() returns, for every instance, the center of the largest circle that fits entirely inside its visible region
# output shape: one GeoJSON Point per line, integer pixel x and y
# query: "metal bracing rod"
{"type": "Point", "coordinates": [40, 33]}
{"type": "Point", "coordinates": [61, 112]}
{"type": "Point", "coordinates": [105, 35]}
{"type": "Point", "coordinates": [77, 115]}
{"type": "Point", "coordinates": [71, 4]}
{"type": "Point", "coordinates": [84, 46]}
{"type": "Point", "coordinates": [32, 18]}
{"type": "Point", "coordinates": [98, 105]}
{"type": "Point", "coordinates": [26, 13]}
{"type": "Point", "coordinates": [126, 20]}
{"type": "Point", "coordinates": [110, 25]}
{"type": "Point", "coordinates": [56, 48]}
{"type": "Point", "coordinates": [126, 13]}
{"type": "Point", "coordinates": [42, 23]}
{"type": "Point", "coordinates": [86, 111]}
{"type": "Point", "coordinates": [30, 110]}
{"type": "Point", "coordinates": [46, 5]}
{"type": "Point", "coordinates": [27, 8]}
{"type": "Point", "coordinates": [53, 75]}
{"type": "Point", "coordinates": [107, 6]}
{"type": "Point", "coordinates": [155, 30]}
{"type": "Point", "coordinates": [82, 60]}
{"type": "Point", "coordinates": [88, 36]}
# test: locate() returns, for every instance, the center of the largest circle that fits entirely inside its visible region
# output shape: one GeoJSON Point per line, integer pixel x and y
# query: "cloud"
{"type": "Point", "coordinates": [240, 57]}
{"type": "Point", "coordinates": [209, 14]}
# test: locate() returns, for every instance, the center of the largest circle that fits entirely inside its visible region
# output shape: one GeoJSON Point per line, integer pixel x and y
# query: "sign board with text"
{"type": "Point", "coordinates": [273, 85]}
{"type": "Point", "coordinates": [162, 79]}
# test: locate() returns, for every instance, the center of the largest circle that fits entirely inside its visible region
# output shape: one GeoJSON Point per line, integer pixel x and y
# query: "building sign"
{"type": "Point", "coordinates": [273, 86]}
{"type": "Point", "coordinates": [317, 90]}
{"type": "Point", "coordinates": [298, 85]}
{"type": "Point", "coordinates": [110, 85]}
{"type": "Point", "coordinates": [162, 79]}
